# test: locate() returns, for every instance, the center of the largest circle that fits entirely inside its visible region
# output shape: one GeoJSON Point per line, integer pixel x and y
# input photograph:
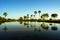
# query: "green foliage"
{"type": "Point", "coordinates": [5, 14]}
{"type": "Point", "coordinates": [54, 15]}
{"type": "Point", "coordinates": [35, 12]}
{"type": "Point", "coordinates": [39, 11]}
{"type": "Point", "coordinates": [45, 16]}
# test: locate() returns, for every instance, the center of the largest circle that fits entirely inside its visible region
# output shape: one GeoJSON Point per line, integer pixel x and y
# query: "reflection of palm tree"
{"type": "Point", "coordinates": [1, 23]}
{"type": "Point", "coordinates": [21, 22]}
{"type": "Point", "coordinates": [50, 24]}
{"type": "Point", "coordinates": [44, 26]}
{"type": "Point", "coordinates": [31, 26]}
{"type": "Point", "coordinates": [35, 29]}
{"type": "Point", "coordinates": [27, 26]}
{"type": "Point", "coordinates": [54, 27]}
{"type": "Point", "coordinates": [5, 28]}
{"type": "Point", "coordinates": [26, 23]}
{"type": "Point", "coordinates": [39, 30]}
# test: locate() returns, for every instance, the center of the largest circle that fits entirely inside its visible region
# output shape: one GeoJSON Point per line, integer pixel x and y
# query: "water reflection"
{"type": "Point", "coordinates": [26, 23]}
{"type": "Point", "coordinates": [5, 28]}
{"type": "Point", "coordinates": [21, 22]}
{"type": "Point", "coordinates": [50, 24]}
{"type": "Point", "coordinates": [20, 29]}
{"type": "Point", "coordinates": [34, 26]}
{"type": "Point", "coordinates": [54, 27]}
{"type": "Point", "coordinates": [1, 23]}
{"type": "Point", "coordinates": [44, 26]}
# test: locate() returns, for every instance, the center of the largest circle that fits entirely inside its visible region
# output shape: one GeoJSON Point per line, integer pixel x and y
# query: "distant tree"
{"type": "Point", "coordinates": [45, 16]}
{"type": "Point", "coordinates": [5, 14]}
{"type": "Point", "coordinates": [54, 15]}
{"type": "Point", "coordinates": [27, 16]}
{"type": "Point", "coordinates": [35, 12]}
{"type": "Point", "coordinates": [0, 17]}
{"type": "Point", "coordinates": [34, 16]}
{"type": "Point", "coordinates": [31, 16]}
{"type": "Point", "coordinates": [39, 13]}
{"type": "Point", "coordinates": [20, 18]}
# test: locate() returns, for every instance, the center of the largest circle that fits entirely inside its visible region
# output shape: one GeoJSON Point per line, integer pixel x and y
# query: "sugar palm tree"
{"type": "Point", "coordinates": [20, 18]}
{"type": "Point", "coordinates": [35, 12]}
{"type": "Point", "coordinates": [54, 15]}
{"type": "Point", "coordinates": [39, 12]}
{"type": "Point", "coordinates": [31, 16]}
{"type": "Point", "coordinates": [5, 14]}
{"type": "Point", "coordinates": [27, 16]}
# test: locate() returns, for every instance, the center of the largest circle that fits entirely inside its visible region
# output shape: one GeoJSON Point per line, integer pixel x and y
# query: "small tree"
{"type": "Point", "coordinates": [44, 16]}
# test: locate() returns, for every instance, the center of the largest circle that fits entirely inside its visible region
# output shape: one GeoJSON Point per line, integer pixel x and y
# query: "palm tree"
{"type": "Point", "coordinates": [35, 12]}
{"type": "Point", "coordinates": [5, 14]}
{"type": "Point", "coordinates": [54, 15]}
{"type": "Point", "coordinates": [34, 16]}
{"type": "Point", "coordinates": [27, 16]}
{"type": "Point", "coordinates": [31, 16]}
{"type": "Point", "coordinates": [20, 18]}
{"type": "Point", "coordinates": [39, 12]}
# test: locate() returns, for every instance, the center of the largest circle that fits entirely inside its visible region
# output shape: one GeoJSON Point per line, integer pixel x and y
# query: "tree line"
{"type": "Point", "coordinates": [44, 16]}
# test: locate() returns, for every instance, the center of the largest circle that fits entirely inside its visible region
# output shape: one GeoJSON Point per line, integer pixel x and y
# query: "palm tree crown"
{"type": "Point", "coordinates": [39, 11]}
{"type": "Point", "coordinates": [35, 12]}
{"type": "Point", "coordinates": [54, 15]}
{"type": "Point", "coordinates": [5, 14]}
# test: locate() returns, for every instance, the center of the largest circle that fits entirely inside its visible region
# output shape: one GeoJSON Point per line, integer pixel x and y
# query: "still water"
{"type": "Point", "coordinates": [29, 31]}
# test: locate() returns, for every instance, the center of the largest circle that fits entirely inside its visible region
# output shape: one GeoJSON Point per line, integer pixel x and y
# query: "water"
{"type": "Point", "coordinates": [29, 31]}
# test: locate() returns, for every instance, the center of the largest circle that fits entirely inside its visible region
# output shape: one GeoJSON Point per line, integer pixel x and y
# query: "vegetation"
{"type": "Point", "coordinates": [42, 18]}
{"type": "Point", "coordinates": [54, 16]}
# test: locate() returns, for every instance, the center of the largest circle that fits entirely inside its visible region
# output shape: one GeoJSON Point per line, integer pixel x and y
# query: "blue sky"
{"type": "Point", "coordinates": [18, 8]}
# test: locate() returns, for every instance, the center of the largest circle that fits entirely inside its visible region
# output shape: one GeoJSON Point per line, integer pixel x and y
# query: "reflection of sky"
{"type": "Point", "coordinates": [17, 29]}
{"type": "Point", "coordinates": [17, 26]}
{"type": "Point", "coordinates": [17, 8]}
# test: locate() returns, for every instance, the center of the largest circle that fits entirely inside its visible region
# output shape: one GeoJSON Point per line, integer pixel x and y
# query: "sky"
{"type": "Point", "coordinates": [18, 8]}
